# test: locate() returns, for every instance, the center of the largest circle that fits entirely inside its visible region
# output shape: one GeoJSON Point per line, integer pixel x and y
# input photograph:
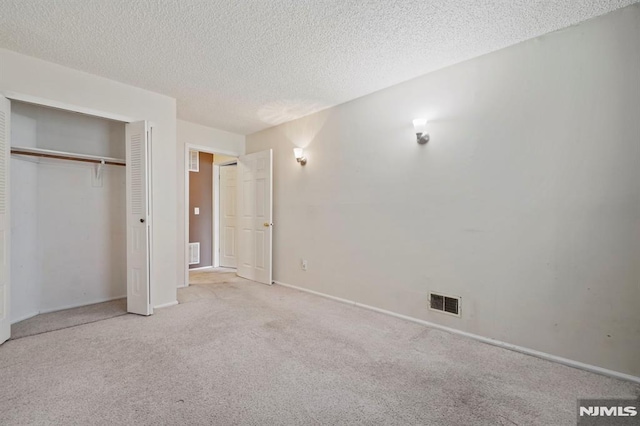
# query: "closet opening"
{"type": "Point", "coordinates": [71, 210]}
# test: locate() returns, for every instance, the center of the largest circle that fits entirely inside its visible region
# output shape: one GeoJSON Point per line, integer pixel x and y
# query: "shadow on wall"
{"type": "Point", "coordinates": [301, 133]}
{"type": "Point", "coordinates": [285, 110]}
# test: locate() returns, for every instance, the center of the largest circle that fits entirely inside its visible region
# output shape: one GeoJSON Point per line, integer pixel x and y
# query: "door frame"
{"type": "Point", "coordinates": [23, 97]}
{"type": "Point", "coordinates": [216, 203]}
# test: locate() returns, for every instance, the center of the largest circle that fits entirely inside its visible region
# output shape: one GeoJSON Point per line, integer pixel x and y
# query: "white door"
{"type": "Point", "coordinates": [228, 218]}
{"type": "Point", "coordinates": [138, 154]}
{"type": "Point", "coordinates": [254, 208]}
{"type": "Point", "coordinates": [5, 147]}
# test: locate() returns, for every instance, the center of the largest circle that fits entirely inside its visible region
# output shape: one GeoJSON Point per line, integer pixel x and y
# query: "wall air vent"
{"type": "Point", "coordinates": [445, 304]}
{"type": "Point", "coordinates": [194, 161]}
{"type": "Point", "coordinates": [194, 253]}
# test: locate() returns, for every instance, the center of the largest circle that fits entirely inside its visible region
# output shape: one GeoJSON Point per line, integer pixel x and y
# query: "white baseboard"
{"type": "Point", "coordinates": [201, 268]}
{"type": "Point", "coordinates": [505, 345]}
{"type": "Point", "coordinates": [166, 305]}
{"type": "Point", "coordinates": [25, 317]}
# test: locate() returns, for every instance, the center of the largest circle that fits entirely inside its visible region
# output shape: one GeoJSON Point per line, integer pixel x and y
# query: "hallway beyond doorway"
{"type": "Point", "coordinates": [212, 276]}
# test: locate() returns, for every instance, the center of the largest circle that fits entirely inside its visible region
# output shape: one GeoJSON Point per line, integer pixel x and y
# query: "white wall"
{"type": "Point", "coordinates": [218, 141]}
{"type": "Point", "coordinates": [68, 235]}
{"type": "Point", "coordinates": [30, 76]}
{"type": "Point", "coordinates": [526, 202]}
{"type": "Point", "coordinates": [82, 235]}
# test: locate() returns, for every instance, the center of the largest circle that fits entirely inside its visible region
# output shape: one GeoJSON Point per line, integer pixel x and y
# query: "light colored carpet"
{"type": "Point", "coordinates": [68, 318]}
{"type": "Point", "coordinates": [213, 276]}
{"type": "Point", "coordinates": [241, 353]}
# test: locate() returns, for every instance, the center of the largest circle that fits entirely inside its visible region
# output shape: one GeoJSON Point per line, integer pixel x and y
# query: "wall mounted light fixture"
{"type": "Point", "coordinates": [299, 153]}
{"type": "Point", "coordinates": [420, 125]}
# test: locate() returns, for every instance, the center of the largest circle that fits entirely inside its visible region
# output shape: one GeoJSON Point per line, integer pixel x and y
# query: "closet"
{"type": "Point", "coordinates": [68, 216]}
{"type": "Point", "coordinates": [76, 190]}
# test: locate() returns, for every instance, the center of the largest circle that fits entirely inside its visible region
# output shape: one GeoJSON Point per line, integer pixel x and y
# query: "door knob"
{"type": "Point", "coordinates": [266, 225]}
{"type": "Point", "coordinates": [141, 220]}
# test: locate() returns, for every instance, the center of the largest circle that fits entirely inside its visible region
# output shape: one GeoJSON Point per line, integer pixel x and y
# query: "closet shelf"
{"type": "Point", "coordinates": [60, 155]}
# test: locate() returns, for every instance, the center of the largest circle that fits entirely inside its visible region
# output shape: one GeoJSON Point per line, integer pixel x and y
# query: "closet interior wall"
{"type": "Point", "coordinates": [68, 243]}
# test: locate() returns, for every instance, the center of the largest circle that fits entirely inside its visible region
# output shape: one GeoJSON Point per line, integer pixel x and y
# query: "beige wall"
{"type": "Point", "coordinates": [526, 202]}
{"type": "Point", "coordinates": [30, 76]}
{"type": "Point", "coordinates": [219, 159]}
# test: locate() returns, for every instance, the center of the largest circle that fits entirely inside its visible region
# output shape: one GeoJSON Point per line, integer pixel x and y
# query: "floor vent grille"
{"type": "Point", "coordinates": [194, 253]}
{"type": "Point", "coordinates": [445, 304]}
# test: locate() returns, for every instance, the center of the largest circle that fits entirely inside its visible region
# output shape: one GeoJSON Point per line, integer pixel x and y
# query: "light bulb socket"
{"type": "Point", "coordinates": [299, 154]}
{"type": "Point", "coordinates": [422, 138]}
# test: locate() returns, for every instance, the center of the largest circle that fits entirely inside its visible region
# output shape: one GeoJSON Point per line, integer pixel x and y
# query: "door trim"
{"type": "Point", "coordinates": [23, 97]}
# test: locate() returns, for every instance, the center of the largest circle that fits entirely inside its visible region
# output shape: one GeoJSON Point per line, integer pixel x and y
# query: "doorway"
{"type": "Point", "coordinates": [211, 205]}
{"type": "Point", "coordinates": [201, 210]}
{"type": "Point", "coordinates": [242, 213]}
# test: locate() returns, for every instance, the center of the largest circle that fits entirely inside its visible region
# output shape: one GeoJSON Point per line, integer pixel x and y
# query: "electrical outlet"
{"type": "Point", "coordinates": [303, 264]}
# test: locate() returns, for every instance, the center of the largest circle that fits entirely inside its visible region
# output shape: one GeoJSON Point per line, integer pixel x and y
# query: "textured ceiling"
{"type": "Point", "coordinates": [246, 65]}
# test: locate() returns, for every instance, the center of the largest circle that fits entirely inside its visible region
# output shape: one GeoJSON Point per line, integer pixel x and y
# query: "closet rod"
{"type": "Point", "coordinates": [67, 156]}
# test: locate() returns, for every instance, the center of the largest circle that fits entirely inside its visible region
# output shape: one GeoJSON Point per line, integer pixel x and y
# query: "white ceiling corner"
{"type": "Point", "coordinates": [245, 65]}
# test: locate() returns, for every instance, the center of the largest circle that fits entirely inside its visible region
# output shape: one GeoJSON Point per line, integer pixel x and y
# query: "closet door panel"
{"type": "Point", "coordinates": [138, 218]}
{"type": "Point", "coordinates": [5, 224]}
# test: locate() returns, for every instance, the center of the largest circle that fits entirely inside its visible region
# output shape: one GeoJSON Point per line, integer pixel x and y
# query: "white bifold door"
{"type": "Point", "coordinates": [5, 224]}
{"type": "Point", "coordinates": [138, 152]}
{"type": "Point", "coordinates": [254, 215]}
